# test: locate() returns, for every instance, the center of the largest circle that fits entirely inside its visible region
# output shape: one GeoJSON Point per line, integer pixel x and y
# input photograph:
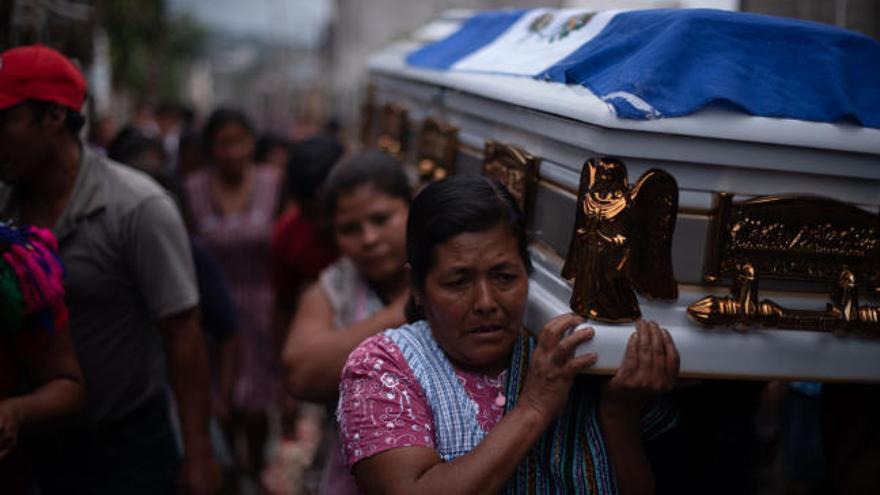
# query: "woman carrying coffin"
{"type": "Point", "coordinates": [460, 400]}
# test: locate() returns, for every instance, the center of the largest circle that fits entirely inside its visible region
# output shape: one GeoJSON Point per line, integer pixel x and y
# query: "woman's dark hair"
{"type": "Point", "coordinates": [265, 144]}
{"type": "Point", "coordinates": [373, 167]}
{"type": "Point", "coordinates": [309, 165]}
{"type": "Point", "coordinates": [453, 206]}
{"type": "Point", "coordinates": [218, 119]}
{"type": "Point", "coordinates": [129, 143]}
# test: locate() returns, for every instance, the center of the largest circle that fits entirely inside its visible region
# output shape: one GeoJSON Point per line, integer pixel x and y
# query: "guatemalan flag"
{"type": "Point", "coordinates": [649, 64]}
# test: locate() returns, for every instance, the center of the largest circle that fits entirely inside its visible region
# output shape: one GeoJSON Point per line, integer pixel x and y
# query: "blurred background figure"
{"type": "Point", "coordinates": [190, 154]}
{"type": "Point", "coordinates": [132, 147]}
{"type": "Point", "coordinates": [172, 121]}
{"type": "Point", "coordinates": [101, 131]}
{"type": "Point", "coordinates": [144, 119]}
{"type": "Point", "coordinates": [219, 320]}
{"type": "Point", "coordinates": [233, 203]}
{"type": "Point", "coordinates": [301, 249]}
{"type": "Point", "coordinates": [273, 151]}
{"type": "Point", "coordinates": [301, 246]}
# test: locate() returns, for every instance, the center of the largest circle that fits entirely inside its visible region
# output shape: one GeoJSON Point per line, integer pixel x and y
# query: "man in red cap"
{"type": "Point", "coordinates": [130, 289]}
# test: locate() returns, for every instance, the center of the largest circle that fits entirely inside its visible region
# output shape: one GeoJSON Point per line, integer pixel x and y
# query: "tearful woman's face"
{"type": "Point", "coordinates": [474, 298]}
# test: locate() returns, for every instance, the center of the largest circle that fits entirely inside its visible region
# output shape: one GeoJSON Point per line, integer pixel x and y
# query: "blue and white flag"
{"type": "Point", "coordinates": [650, 64]}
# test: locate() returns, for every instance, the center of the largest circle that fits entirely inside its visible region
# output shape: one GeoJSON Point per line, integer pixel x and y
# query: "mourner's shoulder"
{"type": "Point", "coordinates": [375, 355]}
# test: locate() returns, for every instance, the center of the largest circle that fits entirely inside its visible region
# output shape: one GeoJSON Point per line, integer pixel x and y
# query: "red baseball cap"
{"type": "Point", "coordinates": [40, 73]}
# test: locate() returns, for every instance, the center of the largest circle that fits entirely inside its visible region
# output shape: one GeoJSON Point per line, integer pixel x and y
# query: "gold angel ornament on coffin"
{"type": "Point", "coordinates": [622, 241]}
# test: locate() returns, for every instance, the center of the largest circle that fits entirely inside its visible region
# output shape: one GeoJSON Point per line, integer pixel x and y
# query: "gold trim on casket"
{"type": "Point", "coordinates": [437, 150]}
{"type": "Point", "coordinates": [393, 127]}
{"type": "Point", "coordinates": [516, 169]}
{"type": "Point", "coordinates": [793, 237]}
{"type": "Point", "coordinates": [803, 238]}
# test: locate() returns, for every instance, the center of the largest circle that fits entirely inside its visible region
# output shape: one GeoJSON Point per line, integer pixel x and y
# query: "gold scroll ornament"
{"type": "Point", "coordinates": [515, 168]}
{"type": "Point", "coordinates": [393, 128]}
{"type": "Point", "coordinates": [622, 241]}
{"type": "Point", "coordinates": [437, 151]}
{"type": "Point", "coordinates": [800, 238]}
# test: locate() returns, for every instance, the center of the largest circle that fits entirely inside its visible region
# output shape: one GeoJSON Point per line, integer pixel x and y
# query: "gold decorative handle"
{"type": "Point", "coordinates": [741, 309]}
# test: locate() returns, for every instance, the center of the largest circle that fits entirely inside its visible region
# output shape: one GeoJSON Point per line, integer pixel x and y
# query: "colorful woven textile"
{"type": "Point", "coordinates": [570, 457]}
{"type": "Point", "coordinates": [31, 281]}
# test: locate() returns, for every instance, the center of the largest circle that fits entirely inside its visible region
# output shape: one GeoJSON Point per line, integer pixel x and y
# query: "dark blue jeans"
{"type": "Point", "coordinates": [133, 456]}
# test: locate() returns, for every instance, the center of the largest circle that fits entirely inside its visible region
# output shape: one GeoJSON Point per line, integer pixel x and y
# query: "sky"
{"type": "Point", "coordinates": [301, 22]}
{"type": "Point", "coordinates": [291, 21]}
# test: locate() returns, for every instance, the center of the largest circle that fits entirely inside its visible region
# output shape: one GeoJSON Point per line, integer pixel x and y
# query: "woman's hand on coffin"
{"type": "Point", "coordinates": [553, 365]}
{"type": "Point", "coordinates": [649, 368]}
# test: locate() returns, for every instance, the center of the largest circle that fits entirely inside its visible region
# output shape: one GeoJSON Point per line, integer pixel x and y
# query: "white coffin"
{"type": "Point", "coordinates": [711, 151]}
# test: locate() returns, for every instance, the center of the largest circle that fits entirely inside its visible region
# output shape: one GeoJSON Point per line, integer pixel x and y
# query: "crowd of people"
{"type": "Point", "coordinates": [253, 315]}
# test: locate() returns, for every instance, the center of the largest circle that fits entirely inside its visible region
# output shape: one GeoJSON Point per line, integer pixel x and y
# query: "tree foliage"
{"type": "Point", "coordinates": [150, 50]}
